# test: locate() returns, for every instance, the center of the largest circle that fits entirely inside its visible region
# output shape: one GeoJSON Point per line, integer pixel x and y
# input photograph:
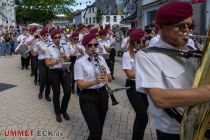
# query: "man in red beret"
{"type": "Point", "coordinates": [167, 78]}
{"type": "Point", "coordinates": [31, 42]}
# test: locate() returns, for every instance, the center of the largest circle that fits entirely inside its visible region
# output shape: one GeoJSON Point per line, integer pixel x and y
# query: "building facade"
{"type": "Point", "coordinates": [90, 15]}
{"type": "Point", "coordinates": [79, 17]}
{"type": "Point", "coordinates": [7, 13]}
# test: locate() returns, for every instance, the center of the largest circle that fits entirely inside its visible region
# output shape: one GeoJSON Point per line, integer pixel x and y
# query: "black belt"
{"type": "Point", "coordinates": [97, 90]}
{"type": "Point", "coordinates": [130, 83]}
{"type": "Point", "coordinates": [41, 60]}
{"type": "Point", "coordinates": [56, 70]}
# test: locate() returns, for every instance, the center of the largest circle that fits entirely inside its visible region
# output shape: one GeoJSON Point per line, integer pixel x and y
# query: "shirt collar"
{"type": "Point", "coordinates": [163, 44]}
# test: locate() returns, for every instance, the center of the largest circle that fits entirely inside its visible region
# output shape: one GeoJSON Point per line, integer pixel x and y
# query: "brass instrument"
{"type": "Point", "coordinates": [196, 119]}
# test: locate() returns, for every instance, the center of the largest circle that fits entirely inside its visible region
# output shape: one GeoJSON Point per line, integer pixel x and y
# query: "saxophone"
{"type": "Point", "coordinates": [195, 124]}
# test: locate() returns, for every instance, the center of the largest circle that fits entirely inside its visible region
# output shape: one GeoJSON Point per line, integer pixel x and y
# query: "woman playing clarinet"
{"type": "Point", "coordinates": [91, 78]}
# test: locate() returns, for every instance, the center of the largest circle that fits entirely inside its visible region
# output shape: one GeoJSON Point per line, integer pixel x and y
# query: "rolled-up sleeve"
{"type": "Point", "coordinates": [148, 74]}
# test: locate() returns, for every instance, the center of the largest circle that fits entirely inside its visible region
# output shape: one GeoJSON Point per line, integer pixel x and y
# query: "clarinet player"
{"type": "Point", "coordinates": [91, 78]}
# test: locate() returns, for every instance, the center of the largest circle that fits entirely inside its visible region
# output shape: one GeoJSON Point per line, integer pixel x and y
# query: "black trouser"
{"type": "Point", "coordinates": [139, 103]}
{"type": "Point", "coordinates": [59, 77]}
{"type": "Point", "coordinates": [165, 136]}
{"type": "Point", "coordinates": [110, 64]}
{"type": "Point", "coordinates": [72, 59]}
{"type": "Point", "coordinates": [94, 106]}
{"type": "Point", "coordinates": [43, 77]}
{"type": "Point", "coordinates": [25, 62]}
{"type": "Point", "coordinates": [34, 66]}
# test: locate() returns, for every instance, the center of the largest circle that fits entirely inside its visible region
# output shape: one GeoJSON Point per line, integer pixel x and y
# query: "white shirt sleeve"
{"type": "Point", "coordinates": [78, 71]}
{"type": "Point", "coordinates": [47, 53]}
{"type": "Point", "coordinates": [126, 64]}
{"type": "Point", "coordinates": [148, 75]}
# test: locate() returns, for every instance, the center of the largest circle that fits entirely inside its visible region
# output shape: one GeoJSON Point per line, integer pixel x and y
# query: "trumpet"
{"type": "Point", "coordinates": [189, 35]}
{"type": "Point", "coordinates": [113, 99]}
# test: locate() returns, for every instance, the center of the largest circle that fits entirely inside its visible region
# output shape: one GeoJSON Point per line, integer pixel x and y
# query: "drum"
{"type": "Point", "coordinates": [23, 51]}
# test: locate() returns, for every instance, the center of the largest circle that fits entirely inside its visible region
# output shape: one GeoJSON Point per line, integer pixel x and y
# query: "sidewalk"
{"type": "Point", "coordinates": [20, 109]}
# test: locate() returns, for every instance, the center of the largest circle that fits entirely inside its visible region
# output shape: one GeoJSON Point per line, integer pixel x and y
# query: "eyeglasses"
{"type": "Point", "coordinates": [57, 37]}
{"type": "Point", "coordinates": [142, 41]}
{"type": "Point", "coordinates": [45, 35]}
{"type": "Point", "coordinates": [90, 45]}
{"type": "Point", "coordinates": [183, 26]}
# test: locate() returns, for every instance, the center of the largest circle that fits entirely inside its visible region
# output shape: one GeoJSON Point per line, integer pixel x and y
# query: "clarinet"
{"type": "Point", "coordinates": [113, 99]}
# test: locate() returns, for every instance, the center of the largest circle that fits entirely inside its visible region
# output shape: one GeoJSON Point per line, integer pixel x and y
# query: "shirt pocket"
{"type": "Point", "coordinates": [89, 73]}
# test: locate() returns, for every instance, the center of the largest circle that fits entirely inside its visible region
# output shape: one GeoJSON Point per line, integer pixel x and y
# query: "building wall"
{"type": "Point", "coordinates": [90, 16]}
{"type": "Point", "coordinates": [7, 8]}
{"type": "Point", "coordinates": [114, 19]}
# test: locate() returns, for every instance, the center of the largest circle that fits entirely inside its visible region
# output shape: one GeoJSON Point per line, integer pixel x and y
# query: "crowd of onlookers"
{"type": "Point", "coordinates": [7, 40]}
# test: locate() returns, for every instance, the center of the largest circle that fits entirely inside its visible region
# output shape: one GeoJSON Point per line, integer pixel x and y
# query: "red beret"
{"type": "Point", "coordinates": [102, 32]}
{"type": "Point", "coordinates": [136, 34]}
{"type": "Point", "coordinates": [55, 32]}
{"type": "Point", "coordinates": [81, 27]}
{"type": "Point", "coordinates": [87, 38]}
{"type": "Point", "coordinates": [130, 30]}
{"type": "Point", "coordinates": [173, 12]}
{"type": "Point", "coordinates": [89, 26]}
{"type": "Point", "coordinates": [107, 26]}
{"type": "Point", "coordinates": [32, 30]}
{"type": "Point", "coordinates": [94, 31]}
{"type": "Point", "coordinates": [74, 34]}
{"type": "Point", "coordinates": [43, 31]}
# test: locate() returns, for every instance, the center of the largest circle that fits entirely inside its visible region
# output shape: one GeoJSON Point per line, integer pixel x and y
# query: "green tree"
{"type": "Point", "coordinates": [42, 11]}
{"type": "Point", "coordinates": [98, 16]}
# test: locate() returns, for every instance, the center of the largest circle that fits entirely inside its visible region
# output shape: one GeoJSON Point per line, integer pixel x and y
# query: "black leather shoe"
{"type": "Point", "coordinates": [58, 118]}
{"type": "Point", "coordinates": [22, 68]}
{"type": "Point", "coordinates": [66, 116]}
{"type": "Point", "coordinates": [48, 98]}
{"type": "Point", "coordinates": [40, 96]}
{"type": "Point", "coordinates": [113, 78]}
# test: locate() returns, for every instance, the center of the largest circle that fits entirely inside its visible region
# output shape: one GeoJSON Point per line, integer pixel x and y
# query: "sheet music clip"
{"type": "Point", "coordinates": [105, 55]}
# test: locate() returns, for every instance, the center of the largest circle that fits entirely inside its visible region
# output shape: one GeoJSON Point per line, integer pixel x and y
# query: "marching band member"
{"type": "Point", "coordinates": [138, 100]}
{"type": "Point", "coordinates": [21, 39]}
{"type": "Point", "coordinates": [105, 47]}
{"type": "Point", "coordinates": [31, 44]}
{"type": "Point", "coordinates": [76, 50]}
{"type": "Point", "coordinates": [91, 80]}
{"type": "Point", "coordinates": [83, 31]}
{"type": "Point", "coordinates": [168, 79]}
{"type": "Point", "coordinates": [55, 55]}
{"type": "Point", "coordinates": [43, 68]}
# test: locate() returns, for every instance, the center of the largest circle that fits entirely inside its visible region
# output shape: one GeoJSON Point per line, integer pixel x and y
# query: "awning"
{"type": "Point", "coordinates": [129, 19]}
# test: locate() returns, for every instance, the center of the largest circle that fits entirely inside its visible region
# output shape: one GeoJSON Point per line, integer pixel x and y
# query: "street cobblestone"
{"type": "Point", "coordinates": [20, 109]}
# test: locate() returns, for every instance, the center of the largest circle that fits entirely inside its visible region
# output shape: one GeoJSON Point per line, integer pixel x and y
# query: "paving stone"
{"type": "Point", "coordinates": [22, 110]}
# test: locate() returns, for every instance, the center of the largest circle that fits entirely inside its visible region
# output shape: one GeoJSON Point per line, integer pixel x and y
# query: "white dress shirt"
{"type": "Point", "coordinates": [158, 70]}
{"type": "Point", "coordinates": [88, 70]}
